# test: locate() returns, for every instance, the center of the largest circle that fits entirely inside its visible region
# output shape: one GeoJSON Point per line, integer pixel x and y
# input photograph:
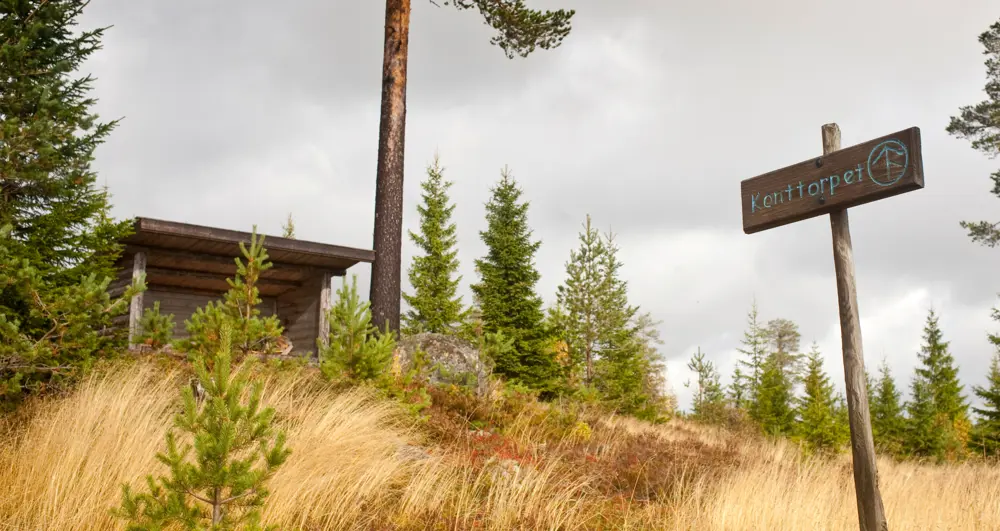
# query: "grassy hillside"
{"type": "Point", "coordinates": [502, 463]}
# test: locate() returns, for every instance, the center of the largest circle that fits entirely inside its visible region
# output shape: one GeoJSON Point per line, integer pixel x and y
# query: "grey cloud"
{"type": "Point", "coordinates": [647, 117]}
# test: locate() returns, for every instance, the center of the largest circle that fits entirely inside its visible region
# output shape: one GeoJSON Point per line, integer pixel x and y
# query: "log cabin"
{"type": "Point", "coordinates": [186, 266]}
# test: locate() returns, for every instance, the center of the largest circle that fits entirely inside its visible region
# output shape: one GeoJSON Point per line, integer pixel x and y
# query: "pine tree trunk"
{"type": "Point", "coordinates": [388, 237]}
{"type": "Point", "coordinates": [216, 506]}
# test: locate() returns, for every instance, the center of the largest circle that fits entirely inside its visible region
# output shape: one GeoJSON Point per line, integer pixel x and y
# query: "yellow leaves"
{"type": "Point", "coordinates": [581, 432]}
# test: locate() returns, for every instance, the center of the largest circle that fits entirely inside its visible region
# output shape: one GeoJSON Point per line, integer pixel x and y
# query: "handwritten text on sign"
{"type": "Point", "coordinates": [859, 174]}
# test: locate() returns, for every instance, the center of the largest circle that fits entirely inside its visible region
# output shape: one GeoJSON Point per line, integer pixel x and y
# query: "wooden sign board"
{"type": "Point", "coordinates": [852, 176]}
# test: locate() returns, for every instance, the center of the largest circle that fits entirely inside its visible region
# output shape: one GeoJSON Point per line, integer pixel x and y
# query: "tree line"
{"type": "Point", "coordinates": [593, 343]}
{"type": "Point", "coordinates": [786, 392]}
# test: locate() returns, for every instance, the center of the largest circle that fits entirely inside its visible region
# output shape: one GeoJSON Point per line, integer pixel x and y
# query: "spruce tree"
{"type": "Point", "coordinates": [888, 423]}
{"type": "Point", "coordinates": [938, 370]}
{"type": "Point", "coordinates": [773, 410]}
{"type": "Point", "coordinates": [980, 124]}
{"type": "Point", "coordinates": [924, 437]}
{"type": "Point", "coordinates": [986, 435]}
{"type": "Point", "coordinates": [818, 423]}
{"type": "Point", "coordinates": [751, 366]}
{"type": "Point", "coordinates": [59, 242]}
{"type": "Point", "coordinates": [709, 401]}
{"type": "Point", "coordinates": [506, 293]}
{"type": "Point", "coordinates": [579, 297]}
{"type": "Point", "coordinates": [434, 305]}
{"type": "Point", "coordinates": [236, 451]}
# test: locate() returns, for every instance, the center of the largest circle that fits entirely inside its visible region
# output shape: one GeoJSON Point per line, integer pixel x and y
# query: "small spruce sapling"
{"type": "Point", "coordinates": [156, 329]}
{"type": "Point", "coordinates": [236, 452]}
{"type": "Point", "coordinates": [354, 348]}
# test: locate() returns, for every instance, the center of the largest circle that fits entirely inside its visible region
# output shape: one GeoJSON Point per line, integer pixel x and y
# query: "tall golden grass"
{"type": "Point", "coordinates": [353, 467]}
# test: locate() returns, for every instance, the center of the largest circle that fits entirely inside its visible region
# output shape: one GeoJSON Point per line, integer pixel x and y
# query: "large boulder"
{"type": "Point", "coordinates": [448, 359]}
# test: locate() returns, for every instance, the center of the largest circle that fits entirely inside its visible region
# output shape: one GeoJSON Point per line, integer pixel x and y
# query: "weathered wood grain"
{"type": "Point", "coordinates": [871, 513]}
{"type": "Point", "coordinates": [135, 307]}
{"type": "Point", "coordinates": [154, 272]}
{"type": "Point", "coordinates": [325, 303]}
{"type": "Point", "coordinates": [299, 313]}
{"type": "Point", "coordinates": [879, 168]}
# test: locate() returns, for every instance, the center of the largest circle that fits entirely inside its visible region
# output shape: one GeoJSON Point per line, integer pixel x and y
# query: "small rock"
{"type": "Point", "coordinates": [409, 452]}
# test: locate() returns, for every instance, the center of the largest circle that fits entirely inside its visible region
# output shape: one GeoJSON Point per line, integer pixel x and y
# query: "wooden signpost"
{"type": "Point", "coordinates": [830, 184]}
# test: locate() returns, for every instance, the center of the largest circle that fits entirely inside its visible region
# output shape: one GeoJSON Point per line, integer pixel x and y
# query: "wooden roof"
{"type": "Point", "coordinates": [198, 257]}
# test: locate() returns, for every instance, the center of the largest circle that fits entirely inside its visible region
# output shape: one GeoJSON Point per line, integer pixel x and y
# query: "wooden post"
{"type": "Point", "coordinates": [325, 303]}
{"type": "Point", "coordinates": [871, 513]}
{"type": "Point", "coordinates": [136, 304]}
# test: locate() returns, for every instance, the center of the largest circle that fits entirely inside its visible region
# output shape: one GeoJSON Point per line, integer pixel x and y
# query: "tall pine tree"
{"type": "Point", "coordinates": [888, 423]}
{"type": "Point", "coordinates": [783, 338]}
{"type": "Point", "coordinates": [506, 293]}
{"type": "Point", "coordinates": [980, 124]}
{"type": "Point", "coordinates": [434, 306]}
{"type": "Point", "coordinates": [819, 424]}
{"type": "Point", "coordinates": [59, 243]}
{"type": "Point", "coordinates": [519, 30]}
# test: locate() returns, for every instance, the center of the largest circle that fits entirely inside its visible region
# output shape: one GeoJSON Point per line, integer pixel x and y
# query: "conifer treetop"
{"type": "Point", "coordinates": [435, 305]}
{"type": "Point", "coordinates": [938, 369]}
{"type": "Point", "coordinates": [520, 30]}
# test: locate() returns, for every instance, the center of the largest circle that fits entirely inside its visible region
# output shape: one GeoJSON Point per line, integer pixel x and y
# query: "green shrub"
{"type": "Point", "coordinates": [353, 348]}
{"type": "Point", "coordinates": [62, 330]}
{"type": "Point", "coordinates": [156, 329]}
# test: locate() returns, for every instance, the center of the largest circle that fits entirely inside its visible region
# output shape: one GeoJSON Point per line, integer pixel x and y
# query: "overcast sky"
{"type": "Point", "coordinates": [647, 118]}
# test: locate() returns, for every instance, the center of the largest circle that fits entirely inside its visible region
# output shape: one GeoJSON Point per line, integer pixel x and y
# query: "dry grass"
{"type": "Point", "coordinates": [62, 469]}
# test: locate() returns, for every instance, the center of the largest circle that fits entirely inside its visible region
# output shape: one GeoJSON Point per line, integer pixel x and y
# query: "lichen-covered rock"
{"type": "Point", "coordinates": [448, 359]}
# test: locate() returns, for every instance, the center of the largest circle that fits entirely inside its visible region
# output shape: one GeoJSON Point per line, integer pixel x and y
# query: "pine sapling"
{"type": "Point", "coordinates": [238, 310]}
{"type": "Point", "coordinates": [236, 451]}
